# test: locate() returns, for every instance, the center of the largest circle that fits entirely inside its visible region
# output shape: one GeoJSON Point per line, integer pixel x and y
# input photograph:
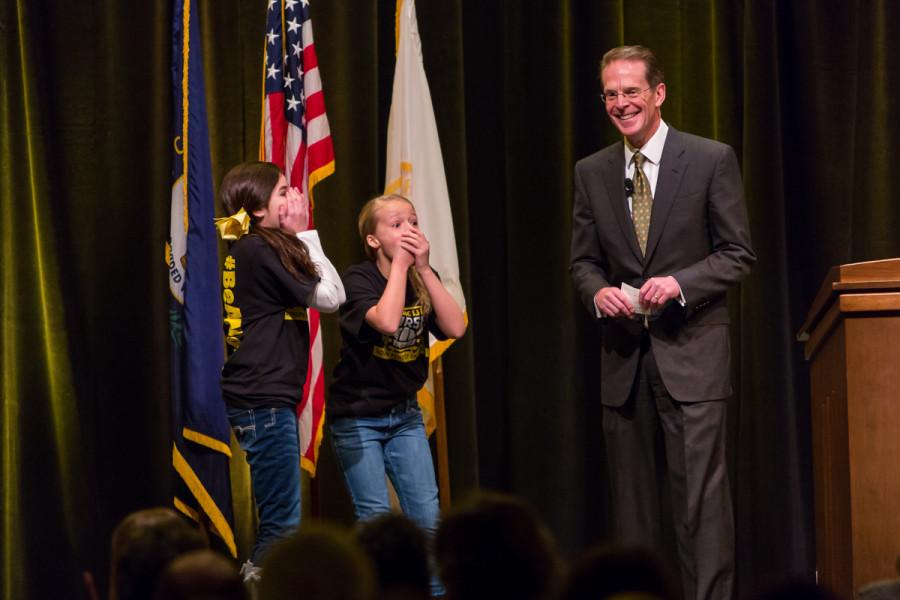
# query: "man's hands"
{"type": "Point", "coordinates": [612, 302]}
{"type": "Point", "coordinates": [654, 294]}
{"type": "Point", "coordinates": [657, 291]}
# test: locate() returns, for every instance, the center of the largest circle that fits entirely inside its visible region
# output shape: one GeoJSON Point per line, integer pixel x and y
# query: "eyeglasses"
{"type": "Point", "coordinates": [611, 97]}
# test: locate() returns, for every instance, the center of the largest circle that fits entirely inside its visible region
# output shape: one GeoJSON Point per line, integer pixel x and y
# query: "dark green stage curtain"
{"type": "Point", "coordinates": [803, 90]}
{"type": "Point", "coordinates": [47, 474]}
{"type": "Point", "coordinates": [84, 135]}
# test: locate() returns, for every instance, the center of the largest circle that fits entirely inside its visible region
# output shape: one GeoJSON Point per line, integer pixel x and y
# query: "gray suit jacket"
{"type": "Point", "coordinates": [698, 234]}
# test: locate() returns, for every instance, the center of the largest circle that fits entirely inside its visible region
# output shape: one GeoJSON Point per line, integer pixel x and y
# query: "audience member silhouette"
{"type": "Point", "coordinates": [619, 571]}
{"type": "Point", "coordinates": [201, 575]}
{"type": "Point", "coordinates": [317, 561]}
{"type": "Point", "coordinates": [399, 552]}
{"type": "Point", "coordinates": [495, 546]}
{"type": "Point", "coordinates": [491, 546]}
{"type": "Point", "coordinates": [143, 544]}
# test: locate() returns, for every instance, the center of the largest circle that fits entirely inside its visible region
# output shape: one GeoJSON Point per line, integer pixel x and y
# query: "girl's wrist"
{"type": "Point", "coordinates": [399, 266]}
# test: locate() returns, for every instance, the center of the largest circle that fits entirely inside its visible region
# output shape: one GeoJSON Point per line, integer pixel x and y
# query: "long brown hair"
{"type": "Point", "coordinates": [366, 225]}
{"type": "Point", "coordinates": [249, 186]}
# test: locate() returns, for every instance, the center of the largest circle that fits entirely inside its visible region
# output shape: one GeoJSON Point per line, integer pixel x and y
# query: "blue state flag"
{"type": "Point", "coordinates": [200, 449]}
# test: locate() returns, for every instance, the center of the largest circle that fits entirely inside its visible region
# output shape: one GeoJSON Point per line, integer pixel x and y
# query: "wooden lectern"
{"type": "Point", "coordinates": [852, 339]}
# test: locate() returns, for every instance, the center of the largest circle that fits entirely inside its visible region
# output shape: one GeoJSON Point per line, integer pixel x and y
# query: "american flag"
{"type": "Point", "coordinates": [295, 136]}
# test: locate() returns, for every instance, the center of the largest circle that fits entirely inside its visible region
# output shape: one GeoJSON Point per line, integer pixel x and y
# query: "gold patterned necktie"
{"type": "Point", "coordinates": [641, 202]}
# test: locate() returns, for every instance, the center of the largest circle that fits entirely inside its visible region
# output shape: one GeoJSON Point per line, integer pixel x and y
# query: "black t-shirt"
{"type": "Point", "coordinates": [266, 327]}
{"type": "Point", "coordinates": [377, 371]}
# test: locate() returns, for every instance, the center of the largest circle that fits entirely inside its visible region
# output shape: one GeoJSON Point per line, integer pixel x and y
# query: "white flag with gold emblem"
{"type": "Point", "coordinates": [415, 168]}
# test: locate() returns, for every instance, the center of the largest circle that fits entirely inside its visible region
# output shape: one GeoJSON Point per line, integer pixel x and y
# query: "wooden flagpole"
{"type": "Point", "coordinates": [440, 432]}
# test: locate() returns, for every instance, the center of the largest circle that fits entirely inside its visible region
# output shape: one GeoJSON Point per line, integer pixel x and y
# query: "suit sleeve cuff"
{"type": "Point", "coordinates": [597, 312]}
{"type": "Point", "coordinates": [681, 299]}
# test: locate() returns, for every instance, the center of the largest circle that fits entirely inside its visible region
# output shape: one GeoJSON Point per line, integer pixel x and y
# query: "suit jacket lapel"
{"type": "Point", "coordinates": [672, 167]}
{"type": "Point", "coordinates": [614, 177]}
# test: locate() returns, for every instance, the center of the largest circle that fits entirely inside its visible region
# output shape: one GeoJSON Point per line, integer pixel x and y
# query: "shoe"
{"type": "Point", "coordinates": [250, 572]}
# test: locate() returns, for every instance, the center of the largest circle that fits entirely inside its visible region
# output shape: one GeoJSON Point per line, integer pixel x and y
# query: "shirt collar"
{"type": "Point", "coordinates": [652, 150]}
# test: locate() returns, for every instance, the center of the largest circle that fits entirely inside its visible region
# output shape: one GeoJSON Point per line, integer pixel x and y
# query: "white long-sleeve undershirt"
{"type": "Point", "coordinates": [329, 293]}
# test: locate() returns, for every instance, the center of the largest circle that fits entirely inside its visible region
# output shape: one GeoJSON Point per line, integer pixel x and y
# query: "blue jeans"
{"type": "Point", "coordinates": [269, 437]}
{"type": "Point", "coordinates": [393, 445]}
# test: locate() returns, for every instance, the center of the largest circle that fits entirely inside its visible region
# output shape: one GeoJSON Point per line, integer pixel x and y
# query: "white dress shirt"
{"type": "Point", "coordinates": [652, 152]}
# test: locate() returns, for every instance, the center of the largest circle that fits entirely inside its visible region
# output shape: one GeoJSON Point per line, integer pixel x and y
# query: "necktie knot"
{"type": "Point", "coordinates": [638, 160]}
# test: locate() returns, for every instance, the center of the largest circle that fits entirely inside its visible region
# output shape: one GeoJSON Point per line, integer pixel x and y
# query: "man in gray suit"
{"type": "Point", "coordinates": [663, 212]}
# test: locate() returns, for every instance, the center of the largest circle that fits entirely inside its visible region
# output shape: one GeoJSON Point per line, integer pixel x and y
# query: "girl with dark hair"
{"type": "Point", "coordinates": [394, 301]}
{"type": "Point", "coordinates": [272, 275]}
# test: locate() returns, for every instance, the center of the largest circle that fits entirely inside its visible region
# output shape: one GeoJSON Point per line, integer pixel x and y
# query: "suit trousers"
{"type": "Point", "coordinates": [694, 444]}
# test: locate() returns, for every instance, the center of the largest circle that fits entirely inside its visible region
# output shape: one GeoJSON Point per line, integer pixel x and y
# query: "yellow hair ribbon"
{"type": "Point", "coordinates": [233, 226]}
